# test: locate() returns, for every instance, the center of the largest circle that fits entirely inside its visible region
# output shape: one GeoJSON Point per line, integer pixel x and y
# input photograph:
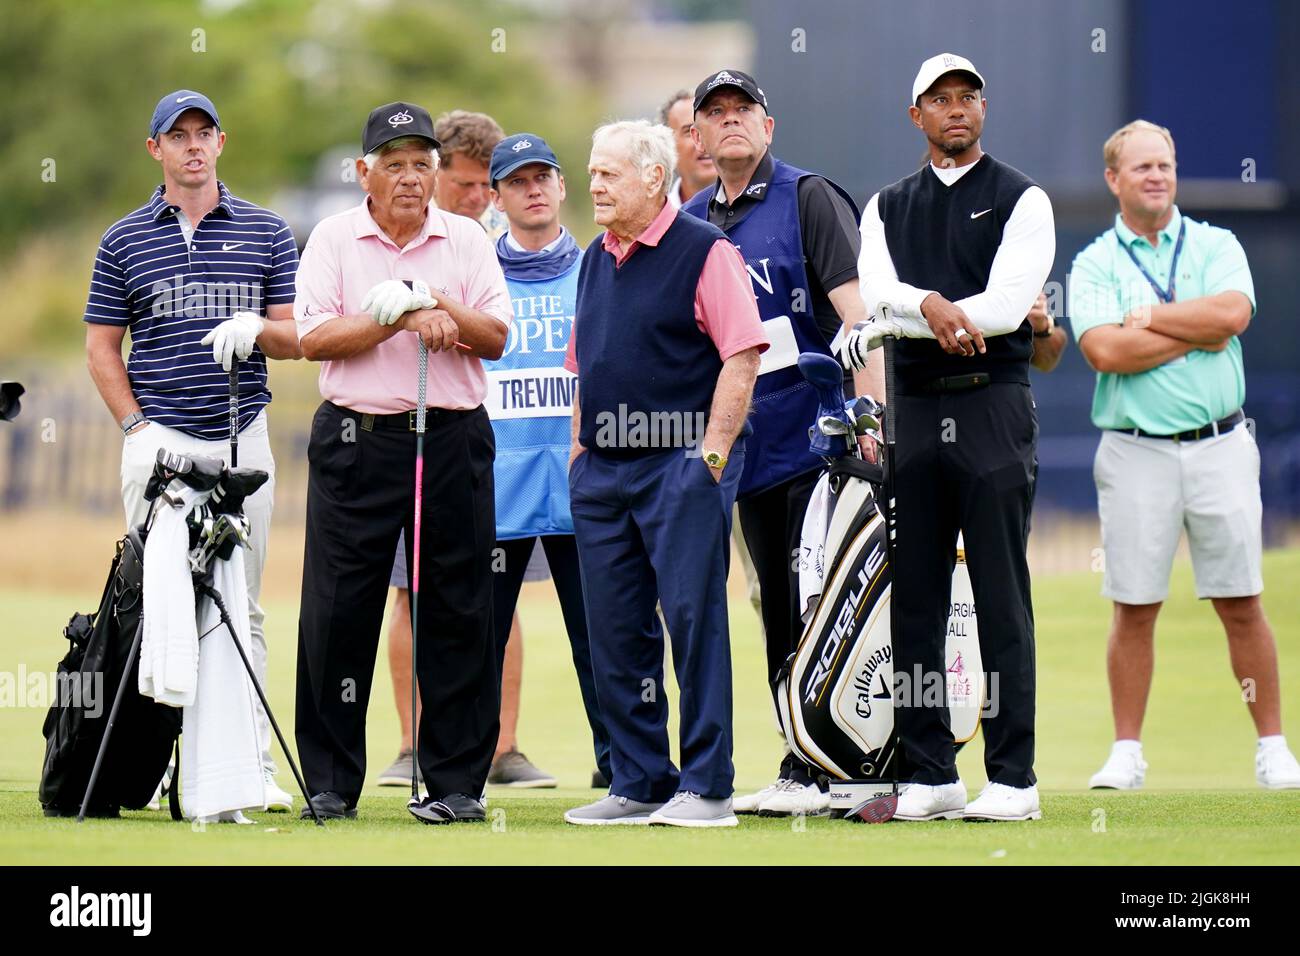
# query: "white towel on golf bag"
{"type": "Point", "coordinates": [812, 547]}
{"type": "Point", "coordinates": [169, 648]}
{"type": "Point", "coordinates": [221, 756]}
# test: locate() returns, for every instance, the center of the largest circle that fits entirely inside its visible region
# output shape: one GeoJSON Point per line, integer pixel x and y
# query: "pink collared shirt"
{"type": "Point", "coordinates": [725, 309]}
{"type": "Point", "coordinates": [347, 255]}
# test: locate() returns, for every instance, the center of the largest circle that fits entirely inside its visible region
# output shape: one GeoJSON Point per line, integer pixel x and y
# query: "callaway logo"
{"type": "Point", "coordinates": [976, 215]}
{"type": "Point", "coordinates": [400, 119]}
{"type": "Point", "coordinates": [227, 246]}
{"type": "Point", "coordinates": [755, 189]}
{"type": "Point", "coordinates": [522, 144]}
{"type": "Point", "coordinates": [862, 683]}
{"type": "Point", "coordinates": [184, 98]}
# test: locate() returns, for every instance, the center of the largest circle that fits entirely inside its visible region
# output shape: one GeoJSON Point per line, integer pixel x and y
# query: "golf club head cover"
{"type": "Point", "coordinates": [826, 376]}
{"type": "Point", "coordinates": [9, 404]}
{"type": "Point", "coordinates": [236, 485]}
{"type": "Point", "coordinates": [194, 471]}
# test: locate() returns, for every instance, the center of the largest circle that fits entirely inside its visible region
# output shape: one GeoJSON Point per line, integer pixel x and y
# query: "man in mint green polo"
{"type": "Point", "coordinates": [1157, 304]}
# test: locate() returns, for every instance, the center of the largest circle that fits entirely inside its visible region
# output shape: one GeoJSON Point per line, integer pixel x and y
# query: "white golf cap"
{"type": "Point", "coordinates": [936, 67]}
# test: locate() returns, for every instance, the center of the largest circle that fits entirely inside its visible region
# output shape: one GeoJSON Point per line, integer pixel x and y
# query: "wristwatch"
{"type": "Point", "coordinates": [1051, 327]}
{"type": "Point", "coordinates": [135, 418]}
{"type": "Point", "coordinates": [714, 460]}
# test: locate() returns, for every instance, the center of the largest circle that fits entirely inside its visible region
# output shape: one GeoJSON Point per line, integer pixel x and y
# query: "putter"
{"type": "Point", "coordinates": [420, 413]}
{"type": "Point", "coordinates": [882, 809]}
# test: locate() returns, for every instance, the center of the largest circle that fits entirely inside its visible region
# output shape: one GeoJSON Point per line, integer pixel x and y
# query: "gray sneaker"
{"type": "Point", "coordinates": [513, 769]}
{"type": "Point", "coordinates": [612, 811]}
{"type": "Point", "coordinates": [688, 809]}
{"type": "Point", "coordinates": [398, 773]}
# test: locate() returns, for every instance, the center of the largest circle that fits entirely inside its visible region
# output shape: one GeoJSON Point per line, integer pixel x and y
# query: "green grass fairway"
{"type": "Point", "coordinates": [1201, 805]}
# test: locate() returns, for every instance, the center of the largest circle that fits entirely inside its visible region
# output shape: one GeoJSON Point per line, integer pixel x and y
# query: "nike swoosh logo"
{"type": "Point", "coordinates": [184, 98]}
{"type": "Point", "coordinates": [227, 246]}
{"type": "Point", "coordinates": [976, 215]}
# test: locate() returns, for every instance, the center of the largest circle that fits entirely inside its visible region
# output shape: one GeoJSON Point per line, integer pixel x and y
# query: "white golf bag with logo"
{"type": "Point", "coordinates": [836, 692]}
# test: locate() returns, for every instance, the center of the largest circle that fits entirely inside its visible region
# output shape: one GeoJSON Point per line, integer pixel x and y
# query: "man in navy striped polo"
{"type": "Point", "coordinates": [201, 279]}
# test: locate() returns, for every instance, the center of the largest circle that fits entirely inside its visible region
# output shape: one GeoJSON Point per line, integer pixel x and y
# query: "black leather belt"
{"type": "Point", "coordinates": [400, 421]}
{"type": "Point", "coordinates": [1221, 427]}
{"type": "Point", "coordinates": [957, 383]}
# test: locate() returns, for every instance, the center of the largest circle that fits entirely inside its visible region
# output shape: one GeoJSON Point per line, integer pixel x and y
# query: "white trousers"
{"type": "Point", "coordinates": [140, 450]}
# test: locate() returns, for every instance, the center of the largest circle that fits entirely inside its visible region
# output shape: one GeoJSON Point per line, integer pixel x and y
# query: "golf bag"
{"type": "Point", "coordinates": [98, 660]}
{"type": "Point", "coordinates": [96, 764]}
{"type": "Point", "coordinates": [836, 692]}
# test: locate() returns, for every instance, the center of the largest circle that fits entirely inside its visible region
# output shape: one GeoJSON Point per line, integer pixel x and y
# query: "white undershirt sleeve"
{"type": "Point", "coordinates": [878, 281]}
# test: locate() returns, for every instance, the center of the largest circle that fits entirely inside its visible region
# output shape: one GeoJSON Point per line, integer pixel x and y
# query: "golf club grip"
{"type": "Point", "coordinates": [234, 413]}
{"type": "Point", "coordinates": [421, 388]}
{"type": "Point", "coordinates": [891, 410]}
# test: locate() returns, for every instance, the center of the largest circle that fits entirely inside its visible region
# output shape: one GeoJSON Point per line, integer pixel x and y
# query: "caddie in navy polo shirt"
{"type": "Point", "coordinates": [201, 279]}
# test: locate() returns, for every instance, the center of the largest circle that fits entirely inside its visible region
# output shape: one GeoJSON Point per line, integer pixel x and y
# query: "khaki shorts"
{"type": "Point", "coordinates": [1149, 490]}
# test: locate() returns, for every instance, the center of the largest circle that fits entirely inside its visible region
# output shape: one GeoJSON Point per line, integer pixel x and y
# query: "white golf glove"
{"type": "Point", "coordinates": [393, 298]}
{"type": "Point", "coordinates": [234, 337]}
{"type": "Point", "coordinates": [865, 337]}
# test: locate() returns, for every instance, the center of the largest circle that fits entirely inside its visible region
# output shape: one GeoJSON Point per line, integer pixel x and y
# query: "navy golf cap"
{"type": "Point", "coordinates": [521, 149]}
{"type": "Point", "coordinates": [393, 121]}
{"type": "Point", "coordinates": [171, 106]}
{"type": "Point", "coordinates": [733, 78]}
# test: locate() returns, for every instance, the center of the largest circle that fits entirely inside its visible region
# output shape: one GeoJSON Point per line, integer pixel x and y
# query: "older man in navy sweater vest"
{"type": "Point", "coordinates": [666, 347]}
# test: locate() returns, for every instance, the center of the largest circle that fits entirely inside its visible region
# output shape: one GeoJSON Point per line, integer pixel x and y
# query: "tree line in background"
{"type": "Point", "coordinates": [292, 80]}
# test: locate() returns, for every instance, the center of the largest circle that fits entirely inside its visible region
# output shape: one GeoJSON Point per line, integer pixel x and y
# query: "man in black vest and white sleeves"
{"type": "Point", "coordinates": [953, 257]}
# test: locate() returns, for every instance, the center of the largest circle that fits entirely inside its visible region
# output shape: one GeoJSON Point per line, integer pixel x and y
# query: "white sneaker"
{"type": "Point", "coordinates": [227, 816]}
{"type": "Point", "coordinates": [1277, 769]}
{"type": "Point", "coordinates": [921, 801]}
{"type": "Point", "coordinates": [795, 797]}
{"type": "Point", "coordinates": [997, 801]}
{"type": "Point", "coordinates": [749, 803]}
{"type": "Point", "coordinates": [277, 800]}
{"type": "Point", "coordinates": [1123, 770]}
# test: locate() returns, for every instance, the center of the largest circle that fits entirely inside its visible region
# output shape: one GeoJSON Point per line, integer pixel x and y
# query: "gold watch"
{"type": "Point", "coordinates": [714, 460]}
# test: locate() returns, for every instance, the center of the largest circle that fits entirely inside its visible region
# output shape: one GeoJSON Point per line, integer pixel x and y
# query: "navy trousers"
{"type": "Point", "coordinates": [562, 557]}
{"type": "Point", "coordinates": [657, 529]}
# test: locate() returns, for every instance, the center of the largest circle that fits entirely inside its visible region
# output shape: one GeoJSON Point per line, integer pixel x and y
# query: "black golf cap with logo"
{"type": "Point", "coordinates": [393, 121]}
{"type": "Point", "coordinates": [732, 78]}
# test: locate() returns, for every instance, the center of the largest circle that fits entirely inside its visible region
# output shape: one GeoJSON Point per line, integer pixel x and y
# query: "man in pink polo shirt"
{"type": "Point", "coordinates": [376, 282]}
{"type": "Point", "coordinates": [666, 345]}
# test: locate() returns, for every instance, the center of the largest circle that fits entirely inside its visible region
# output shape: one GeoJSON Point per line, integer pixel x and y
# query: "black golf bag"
{"type": "Point", "coordinates": [97, 661]}
{"type": "Point", "coordinates": [836, 692]}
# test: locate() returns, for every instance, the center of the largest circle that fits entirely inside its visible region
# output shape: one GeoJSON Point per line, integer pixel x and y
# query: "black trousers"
{"type": "Point", "coordinates": [772, 521]}
{"type": "Point", "coordinates": [966, 462]}
{"type": "Point", "coordinates": [562, 557]}
{"type": "Point", "coordinates": [360, 495]}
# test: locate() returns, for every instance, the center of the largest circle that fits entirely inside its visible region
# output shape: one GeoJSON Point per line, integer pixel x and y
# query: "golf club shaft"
{"type": "Point", "coordinates": [420, 414]}
{"type": "Point", "coordinates": [234, 412]}
{"type": "Point", "coordinates": [891, 439]}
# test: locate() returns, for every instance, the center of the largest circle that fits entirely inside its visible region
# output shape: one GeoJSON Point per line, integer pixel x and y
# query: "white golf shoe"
{"type": "Point", "coordinates": [1276, 769]}
{"type": "Point", "coordinates": [750, 802]}
{"type": "Point", "coordinates": [1124, 770]}
{"type": "Point", "coordinates": [277, 800]}
{"type": "Point", "coordinates": [921, 801]}
{"type": "Point", "coordinates": [998, 802]}
{"type": "Point", "coordinates": [795, 797]}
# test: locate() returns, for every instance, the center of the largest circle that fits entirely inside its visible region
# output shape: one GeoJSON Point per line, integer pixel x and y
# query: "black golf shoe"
{"type": "Point", "coordinates": [329, 806]}
{"type": "Point", "coordinates": [453, 808]}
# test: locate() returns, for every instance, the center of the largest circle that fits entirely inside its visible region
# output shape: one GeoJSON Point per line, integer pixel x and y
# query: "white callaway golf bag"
{"type": "Point", "coordinates": [836, 692]}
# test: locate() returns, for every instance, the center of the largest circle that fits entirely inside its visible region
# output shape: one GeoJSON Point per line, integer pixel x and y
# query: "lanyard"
{"type": "Point", "coordinates": [1164, 295]}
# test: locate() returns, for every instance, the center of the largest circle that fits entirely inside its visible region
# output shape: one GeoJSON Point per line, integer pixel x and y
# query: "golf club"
{"type": "Point", "coordinates": [882, 809]}
{"type": "Point", "coordinates": [421, 387]}
{"type": "Point", "coordinates": [234, 412]}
